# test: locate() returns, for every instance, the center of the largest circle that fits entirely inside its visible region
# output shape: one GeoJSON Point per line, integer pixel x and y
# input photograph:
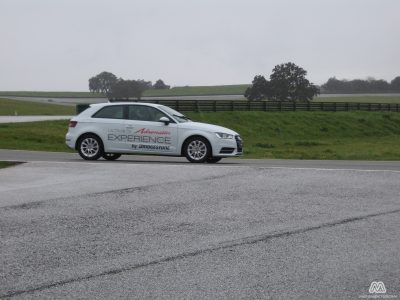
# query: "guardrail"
{"type": "Point", "coordinates": [267, 106]}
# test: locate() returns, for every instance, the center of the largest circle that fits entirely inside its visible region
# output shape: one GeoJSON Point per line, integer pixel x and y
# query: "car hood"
{"type": "Point", "coordinates": [206, 127]}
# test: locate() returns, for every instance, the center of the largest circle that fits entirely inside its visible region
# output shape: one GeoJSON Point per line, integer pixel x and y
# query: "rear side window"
{"type": "Point", "coordinates": [110, 112]}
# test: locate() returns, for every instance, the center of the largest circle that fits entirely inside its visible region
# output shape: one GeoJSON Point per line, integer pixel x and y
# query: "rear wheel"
{"type": "Point", "coordinates": [197, 149]}
{"type": "Point", "coordinates": [90, 147]}
{"type": "Point", "coordinates": [111, 156]}
{"type": "Point", "coordinates": [213, 160]}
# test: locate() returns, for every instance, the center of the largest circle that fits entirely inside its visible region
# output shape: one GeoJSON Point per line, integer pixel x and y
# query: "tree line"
{"type": "Point", "coordinates": [371, 85]}
{"type": "Point", "coordinates": [117, 88]}
{"type": "Point", "coordinates": [287, 82]}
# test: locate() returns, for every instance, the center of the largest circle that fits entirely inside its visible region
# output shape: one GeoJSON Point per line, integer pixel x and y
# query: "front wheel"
{"type": "Point", "coordinates": [197, 149]}
{"type": "Point", "coordinates": [111, 156]}
{"type": "Point", "coordinates": [90, 147]}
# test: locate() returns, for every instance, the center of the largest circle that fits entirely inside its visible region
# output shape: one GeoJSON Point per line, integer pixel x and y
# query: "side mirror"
{"type": "Point", "coordinates": [165, 120]}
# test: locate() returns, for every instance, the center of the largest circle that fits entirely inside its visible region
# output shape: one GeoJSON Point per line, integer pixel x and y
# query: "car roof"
{"type": "Point", "coordinates": [124, 103]}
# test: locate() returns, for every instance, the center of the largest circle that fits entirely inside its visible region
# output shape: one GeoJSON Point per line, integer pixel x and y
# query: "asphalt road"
{"type": "Point", "coordinates": [23, 119]}
{"type": "Point", "coordinates": [29, 156]}
{"type": "Point", "coordinates": [164, 228]}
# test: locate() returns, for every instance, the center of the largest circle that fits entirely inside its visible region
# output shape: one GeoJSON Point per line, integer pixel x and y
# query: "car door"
{"type": "Point", "coordinates": [148, 133]}
{"type": "Point", "coordinates": [110, 124]}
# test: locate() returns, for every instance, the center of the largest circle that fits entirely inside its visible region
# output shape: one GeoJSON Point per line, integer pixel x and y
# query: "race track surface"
{"type": "Point", "coordinates": [164, 228]}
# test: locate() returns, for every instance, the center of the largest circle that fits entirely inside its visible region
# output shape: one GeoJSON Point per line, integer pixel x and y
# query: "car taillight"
{"type": "Point", "coordinates": [72, 124]}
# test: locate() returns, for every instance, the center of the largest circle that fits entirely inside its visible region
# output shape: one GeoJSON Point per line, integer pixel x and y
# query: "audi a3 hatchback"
{"type": "Point", "coordinates": [109, 130]}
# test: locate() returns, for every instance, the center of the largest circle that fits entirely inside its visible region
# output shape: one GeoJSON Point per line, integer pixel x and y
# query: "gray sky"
{"type": "Point", "coordinates": [60, 44]}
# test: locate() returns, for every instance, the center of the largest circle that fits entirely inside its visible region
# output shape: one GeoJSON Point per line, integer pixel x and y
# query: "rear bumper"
{"type": "Point", "coordinates": [70, 141]}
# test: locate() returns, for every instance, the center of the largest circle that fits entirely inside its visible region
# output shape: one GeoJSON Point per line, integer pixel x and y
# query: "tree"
{"type": "Point", "coordinates": [333, 85]}
{"type": "Point", "coordinates": [145, 84]}
{"type": "Point", "coordinates": [288, 82]}
{"type": "Point", "coordinates": [379, 86]}
{"type": "Point", "coordinates": [260, 89]}
{"type": "Point", "coordinates": [160, 85]}
{"type": "Point", "coordinates": [395, 84]}
{"type": "Point", "coordinates": [125, 89]}
{"type": "Point", "coordinates": [102, 82]}
{"type": "Point", "coordinates": [94, 84]}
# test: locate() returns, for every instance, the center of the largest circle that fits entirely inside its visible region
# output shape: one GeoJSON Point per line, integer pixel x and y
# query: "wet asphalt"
{"type": "Point", "coordinates": [174, 230]}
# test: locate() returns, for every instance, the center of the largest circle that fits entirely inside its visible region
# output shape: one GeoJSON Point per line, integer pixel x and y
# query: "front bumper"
{"type": "Point", "coordinates": [229, 148]}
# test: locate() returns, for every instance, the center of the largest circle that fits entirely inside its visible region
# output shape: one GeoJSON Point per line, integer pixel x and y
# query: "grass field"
{"type": "Point", "coordinates": [308, 135]}
{"type": "Point", "coordinates": [12, 107]}
{"type": "Point", "coordinates": [6, 164]}
{"type": "Point", "coordinates": [316, 135]}
{"type": "Point", "coordinates": [44, 136]}
{"type": "Point", "coordinates": [361, 99]}
{"type": "Point", "coordinates": [200, 90]}
{"type": "Point", "coordinates": [175, 91]}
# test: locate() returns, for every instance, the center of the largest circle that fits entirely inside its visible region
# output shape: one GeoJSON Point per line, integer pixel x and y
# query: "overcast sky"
{"type": "Point", "coordinates": [59, 44]}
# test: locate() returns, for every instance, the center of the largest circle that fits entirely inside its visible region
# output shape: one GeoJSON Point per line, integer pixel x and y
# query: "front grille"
{"type": "Point", "coordinates": [239, 143]}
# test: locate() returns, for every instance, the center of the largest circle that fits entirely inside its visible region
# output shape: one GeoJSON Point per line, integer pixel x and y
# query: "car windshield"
{"type": "Point", "coordinates": [177, 115]}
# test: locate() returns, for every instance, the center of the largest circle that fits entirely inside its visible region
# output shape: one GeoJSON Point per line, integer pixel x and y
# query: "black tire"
{"type": "Point", "coordinates": [90, 147]}
{"type": "Point", "coordinates": [111, 156]}
{"type": "Point", "coordinates": [213, 160]}
{"type": "Point", "coordinates": [197, 149]}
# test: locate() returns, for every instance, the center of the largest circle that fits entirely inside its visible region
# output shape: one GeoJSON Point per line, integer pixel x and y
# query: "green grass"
{"type": "Point", "coordinates": [299, 135]}
{"type": "Point", "coordinates": [12, 107]}
{"type": "Point", "coordinates": [200, 90]}
{"type": "Point", "coordinates": [41, 136]}
{"type": "Point", "coordinates": [6, 164]}
{"type": "Point", "coordinates": [361, 99]}
{"type": "Point", "coordinates": [315, 135]}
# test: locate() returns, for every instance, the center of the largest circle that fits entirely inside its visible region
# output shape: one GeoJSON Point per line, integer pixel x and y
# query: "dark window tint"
{"type": "Point", "coordinates": [144, 113]}
{"type": "Point", "coordinates": [110, 112]}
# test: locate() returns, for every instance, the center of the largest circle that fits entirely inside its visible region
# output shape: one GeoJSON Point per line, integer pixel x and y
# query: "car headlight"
{"type": "Point", "coordinates": [224, 136]}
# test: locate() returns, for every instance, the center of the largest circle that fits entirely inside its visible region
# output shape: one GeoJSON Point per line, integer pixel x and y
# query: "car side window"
{"type": "Point", "coordinates": [110, 112]}
{"type": "Point", "coordinates": [144, 113]}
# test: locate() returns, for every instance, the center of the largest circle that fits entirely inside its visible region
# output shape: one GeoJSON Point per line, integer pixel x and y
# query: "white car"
{"type": "Point", "coordinates": [109, 130]}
